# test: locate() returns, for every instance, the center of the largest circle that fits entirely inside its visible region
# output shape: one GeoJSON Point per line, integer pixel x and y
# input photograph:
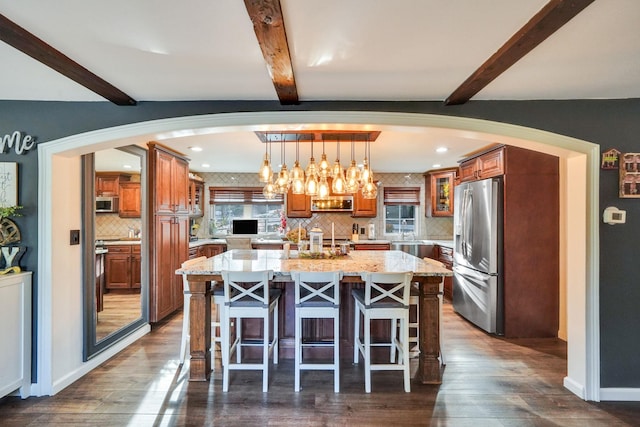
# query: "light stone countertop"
{"type": "Point", "coordinates": [355, 263]}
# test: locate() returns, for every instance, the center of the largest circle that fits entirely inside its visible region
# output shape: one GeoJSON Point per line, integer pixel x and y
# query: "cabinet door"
{"type": "Point", "coordinates": [440, 194]}
{"type": "Point", "coordinates": [163, 197]}
{"type": "Point", "coordinates": [468, 170]}
{"type": "Point", "coordinates": [130, 200]}
{"type": "Point", "coordinates": [364, 208]}
{"type": "Point", "coordinates": [136, 267]}
{"type": "Point", "coordinates": [180, 243]}
{"type": "Point", "coordinates": [118, 270]}
{"type": "Point", "coordinates": [180, 186]}
{"type": "Point", "coordinates": [107, 184]}
{"type": "Point", "coordinates": [162, 294]}
{"type": "Point", "coordinates": [371, 247]}
{"type": "Point", "coordinates": [196, 198]}
{"type": "Point", "coordinates": [298, 205]}
{"type": "Point", "coordinates": [491, 164]}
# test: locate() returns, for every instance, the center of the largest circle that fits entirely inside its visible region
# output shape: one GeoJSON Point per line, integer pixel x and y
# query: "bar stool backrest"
{"type": "Point", "coordinates": [317, 288]}
{"type": "Point", "coordinates": [189, 263]}
{"type": "Point", "coordinates": [387, 290]}
{"type": "Point", "coordinates": [247, 288]}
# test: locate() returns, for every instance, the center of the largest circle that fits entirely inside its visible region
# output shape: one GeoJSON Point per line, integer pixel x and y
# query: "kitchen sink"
{"type": "Point", "coordinates": [414, 247]}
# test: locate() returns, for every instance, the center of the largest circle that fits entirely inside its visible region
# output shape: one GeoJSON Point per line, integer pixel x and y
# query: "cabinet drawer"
{"type": "Point", "coordinates": [120, 249]}
{"type": "Point", "coordinates": [135, 249]}
{"type": "Point", "coordinates": [445, 254]}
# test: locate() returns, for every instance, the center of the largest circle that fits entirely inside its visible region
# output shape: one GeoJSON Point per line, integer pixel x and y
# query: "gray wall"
{"type": "Point", "coordinates": [610, 123]}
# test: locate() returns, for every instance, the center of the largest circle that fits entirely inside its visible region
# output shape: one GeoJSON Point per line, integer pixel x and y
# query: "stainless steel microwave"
{"type": "Point", "coordinates": [106, 204]}
{"type": "Point", "coordinates": [332, 204]}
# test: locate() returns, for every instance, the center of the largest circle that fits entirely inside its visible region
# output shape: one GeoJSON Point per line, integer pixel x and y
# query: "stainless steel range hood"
{"type": "Point", "coordinates": [332, 204]}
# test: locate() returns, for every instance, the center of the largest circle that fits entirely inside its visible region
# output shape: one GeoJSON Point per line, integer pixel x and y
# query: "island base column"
{"type": "Point", "coordinates": [429, 366]}
{"type": "Point", "coordinates": [200, 330]}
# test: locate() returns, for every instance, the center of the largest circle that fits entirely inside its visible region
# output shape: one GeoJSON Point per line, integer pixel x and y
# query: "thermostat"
{"type": "Point", "coordinates": [613, 215]}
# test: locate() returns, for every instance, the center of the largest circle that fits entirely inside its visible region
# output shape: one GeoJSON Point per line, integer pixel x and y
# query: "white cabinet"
{"type": "Point", "coordinates": [15, 334]}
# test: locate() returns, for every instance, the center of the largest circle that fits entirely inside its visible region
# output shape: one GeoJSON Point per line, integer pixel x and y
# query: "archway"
{"type": "Point", "coordinates": [579, 169]}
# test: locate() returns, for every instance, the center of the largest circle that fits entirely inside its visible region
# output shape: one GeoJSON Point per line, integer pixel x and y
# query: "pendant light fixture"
{"type": "Point", "coordinates": [352, 176]}
{"type": "Point", "coordinates": [282, 183]}
{"type": "Point", "coordinates": [339, 185]}
{"type": "Point", "coordinates": [366, 171]}
{"type": "Point", "coordinates": [369, 188]}
{"type": "Point", "coordinates": [324, 163]}
{"type": "Point", "coordinates": [297, 173]}
{"type": "Point", "coordinates": [311, 182]}
{"type": "Point", "coordinates": [266, 173]}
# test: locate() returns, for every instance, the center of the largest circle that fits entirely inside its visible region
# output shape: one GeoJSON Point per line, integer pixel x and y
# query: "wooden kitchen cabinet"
{"type": "Point", "coordinates": [108, 183]}
{"type": "Point", "coordinates": [170, 194]}
{"type": "Point", "coordinates": [439, 189]}
{"type": "Point", "coordinates": [445, 256]}
{"type": "Point", "coordinates": [206, 250]}
{"type": "Point", "coordinates": [485, 165]}
{"type": "Point", "coordinates": [298, 205]}
{"type": "Point", "coordinates": [196, 197]}
{"type": "Point", "coordinates": [122, 267]}
{"type": "Point", "coordinates": [364, 208]}
{"type": "Point", "coordinates": [130, 200]}
{"type": "Point", "coordinates": [169, 229]}
{"type": "Point", "coordinates": [371, 246]}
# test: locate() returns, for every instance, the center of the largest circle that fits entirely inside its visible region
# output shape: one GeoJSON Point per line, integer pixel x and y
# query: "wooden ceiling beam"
{"type": "Point", "coordinates": [547, 21]}
{"type": "Point", "coordinates": [268, 24]}
{"type": "Point", "coordinates": [16, 36]}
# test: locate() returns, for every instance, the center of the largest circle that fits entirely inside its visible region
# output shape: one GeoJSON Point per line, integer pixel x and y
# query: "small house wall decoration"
{"type": "Point", "coordinates": [610, 159]}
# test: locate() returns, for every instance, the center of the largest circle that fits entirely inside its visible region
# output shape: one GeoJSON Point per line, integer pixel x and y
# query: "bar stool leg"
{"type": "Point", "coordinates": [336, 354]}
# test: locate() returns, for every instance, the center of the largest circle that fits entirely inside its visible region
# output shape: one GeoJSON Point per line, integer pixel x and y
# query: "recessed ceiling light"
{"type": "Point", "coordinates": [437, 165]}
{"type": "Point", "coordinates": [442, 149]}
{"type": "Point", "coordinates": [206, 165]}
{"type": "Point", "coordinates": [195, 148]}
{"type": "Point", "coordinates": [126, 166]}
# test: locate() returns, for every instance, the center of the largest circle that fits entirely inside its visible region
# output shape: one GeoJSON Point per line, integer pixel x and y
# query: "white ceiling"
{"type": "Point", "coordinates": [388, 50]}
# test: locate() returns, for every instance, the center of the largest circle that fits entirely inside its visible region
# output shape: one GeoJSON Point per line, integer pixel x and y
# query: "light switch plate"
{"type": "Point", "coordinates": [74, 237]}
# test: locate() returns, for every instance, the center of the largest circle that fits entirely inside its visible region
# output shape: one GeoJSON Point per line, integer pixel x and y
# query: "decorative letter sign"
{"type": "Point", "coordinates": [16, 140]}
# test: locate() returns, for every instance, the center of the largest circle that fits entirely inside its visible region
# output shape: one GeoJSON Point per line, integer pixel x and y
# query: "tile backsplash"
{"type": "Point", "coordinates": [429, 228]}
{"type": "Point", "coordinates": [110, 225]}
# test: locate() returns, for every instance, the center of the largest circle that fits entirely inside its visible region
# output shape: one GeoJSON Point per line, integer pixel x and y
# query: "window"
{"type": "Point", "coordinates": [229, 203]}
{"type": "Point", "coordinates": [401, 210]}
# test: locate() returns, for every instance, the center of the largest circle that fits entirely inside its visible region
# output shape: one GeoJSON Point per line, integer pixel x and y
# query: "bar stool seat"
{"type": "Point", "coordinates": [248, 295]}
{"type": "Point", "coordinates": [385, 296]}
{"type": "Point", "coordinates": [317, 296]}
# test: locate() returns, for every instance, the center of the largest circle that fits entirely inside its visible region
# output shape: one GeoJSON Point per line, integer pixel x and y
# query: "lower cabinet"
{"type": "Point", "coordinates": [206, 250]}
{"type": "Point", "coordinates": [122, 268]}
{"type": "Point", "coordinates": [445, 256]}
{"type": "Point", "coordinates": [372, 246]}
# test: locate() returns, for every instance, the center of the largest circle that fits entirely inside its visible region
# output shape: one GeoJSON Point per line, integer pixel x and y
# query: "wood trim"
{"type": "Point", "coordinates": [547, 21]}
{"type": "Point", "coordinates": [268, 24]}
{"type": "Point", "coordinates": [27, 43]}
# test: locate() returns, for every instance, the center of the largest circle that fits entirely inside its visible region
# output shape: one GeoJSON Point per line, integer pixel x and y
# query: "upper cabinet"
{"type": "Point", "coordinates": [108, 183]}
{"type": "Point", "coordinates": [130, 200]}
{"type": "Point", "coordinates": [439, 188]}
{"type": "Point", "coordinates": [364, 208]}
{"type": "Point", "coordinates": [486, 165]}
{"type": "Point", "coordinates": [298, 205]}
{"type": "Point", "coordinates": [196, 197]}
{"type": "Point", "coordinates": [170, 194]}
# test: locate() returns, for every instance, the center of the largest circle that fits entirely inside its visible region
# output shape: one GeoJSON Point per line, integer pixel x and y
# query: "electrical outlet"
{"type": "Point", "coordinates": [74, 237]}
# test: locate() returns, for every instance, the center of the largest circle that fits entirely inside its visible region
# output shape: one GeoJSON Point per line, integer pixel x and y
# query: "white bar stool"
{"type": "Point", "coordinates": [317, 296]}
{"type": "Point", "coordinates": [385, 296]}
{"type": "Point", "coordinates": [248, 295]}
{"type": "Point", "coordinates": [217, 300]}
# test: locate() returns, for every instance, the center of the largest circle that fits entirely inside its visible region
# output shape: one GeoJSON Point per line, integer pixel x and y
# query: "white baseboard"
{"type": "Point", "coordinates": [99, 359]}
{"type": "Point", "coordinates": [574, 387]}
{"type": "Point", "coordinates": [620, 394]}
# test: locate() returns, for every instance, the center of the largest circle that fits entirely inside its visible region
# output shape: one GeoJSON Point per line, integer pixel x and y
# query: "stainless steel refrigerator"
{"type": "Point", "coordinates": [477, 261]}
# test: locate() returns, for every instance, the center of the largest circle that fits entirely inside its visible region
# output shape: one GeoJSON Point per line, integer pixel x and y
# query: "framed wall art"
{"type": "Point", "coordinates": [8, 184]}
{"type": "Point", "coordinates": [630, 175]}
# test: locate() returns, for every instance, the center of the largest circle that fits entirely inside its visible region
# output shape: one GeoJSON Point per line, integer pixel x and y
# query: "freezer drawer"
{"type": "Point", "coordinates": [477, 297]}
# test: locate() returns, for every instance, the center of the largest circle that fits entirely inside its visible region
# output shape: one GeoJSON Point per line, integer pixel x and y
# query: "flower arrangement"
{"type": "Point", "coordinates": [283, 222]}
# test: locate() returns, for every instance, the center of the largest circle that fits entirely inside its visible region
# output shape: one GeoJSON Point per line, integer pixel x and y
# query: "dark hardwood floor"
{"type": "Point", "coordinates": [488, 381]}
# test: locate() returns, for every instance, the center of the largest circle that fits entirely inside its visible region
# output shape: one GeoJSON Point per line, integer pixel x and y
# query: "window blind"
{"type": "Point", "coordinates": [240, 195]}
{"type": "Point", "coordinates": [401, 195]}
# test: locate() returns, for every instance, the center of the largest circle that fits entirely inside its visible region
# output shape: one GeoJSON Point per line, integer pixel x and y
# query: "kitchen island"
{"type": "Point", "coordinates": [429, 277]}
